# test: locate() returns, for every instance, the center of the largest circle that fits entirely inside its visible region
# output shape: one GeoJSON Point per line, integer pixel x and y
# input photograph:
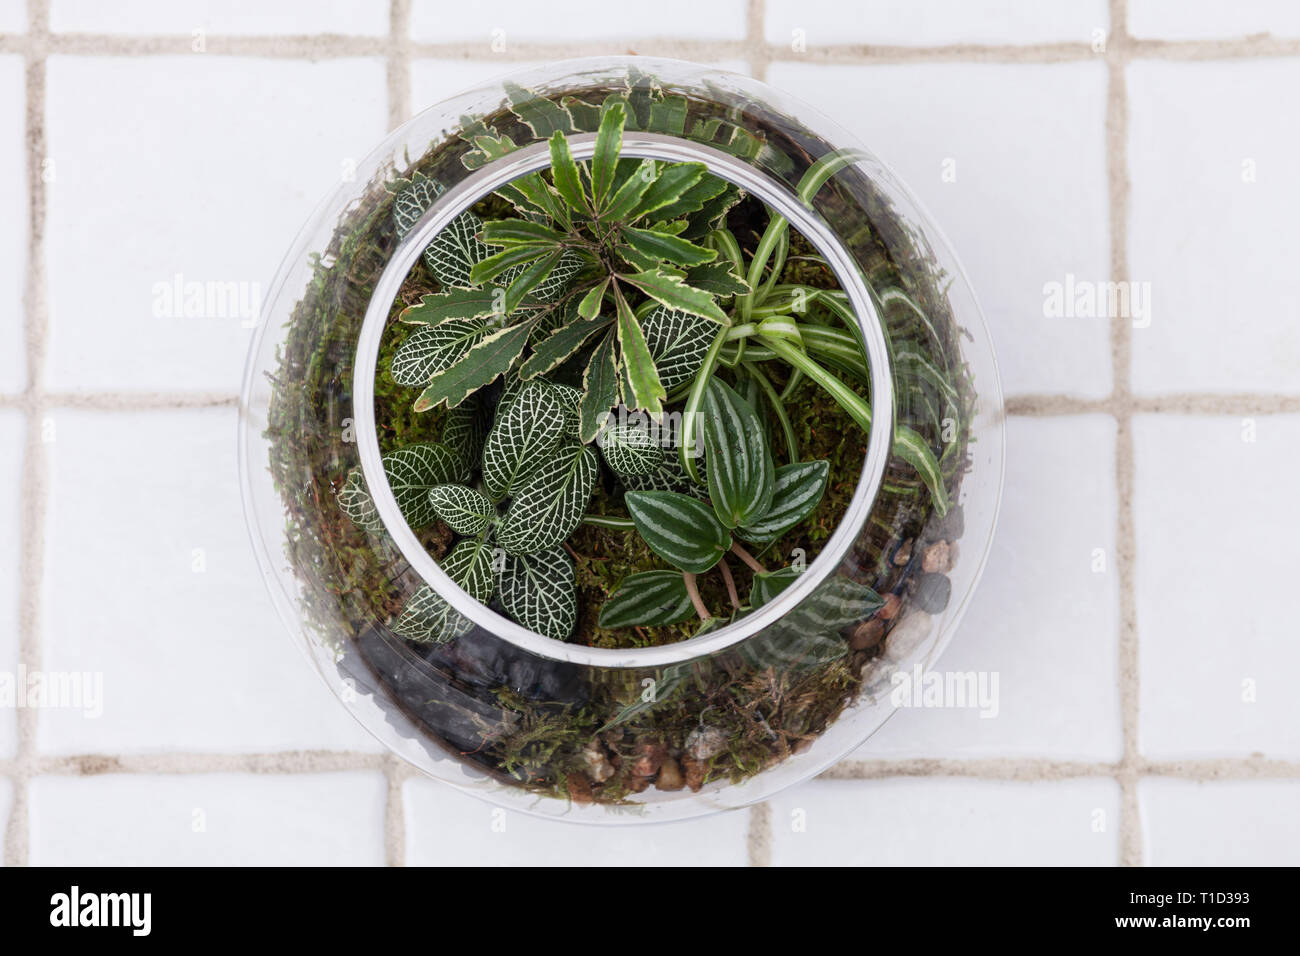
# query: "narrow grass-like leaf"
{"type": "Point", "coordinates": [912, 448]}
{"type": "Point", "coordinates": [565, 171]}
{"type": "Point", "coordinates": [630, 450]}
{"type": "Point", "coordinates": [522, 439]}
{"type": "Point", "coordinates": [682, 530]}
{"type": "Point", "coordinates": [412, 471]}
{"type": "Point", "coordinates": [489, 357]}
{"type": "Point", "coordinates": [741, 474]}
{"type": "Point", "coordinates": [672, 292]}
{"type": "Point", "coordinates": [559, 345]}
{"type": "Point", "coordinates": [550, 503]}
{"type": "Point", "coordinates": [648, 599]}
{"type": "Point", "coordinates": [599, 388]}
{"type": "Point", "coordinates": [796, 493]}
{"type": "Point", "coordinates": [662, 245]}
{"type": "Point", "coordinates": [638, 364]}
{"type": "Point", "coordinates": [604, 161]}
{"type": "Point", "coordinates": [465, 510]}
{"type": "Point", "coordinates": [538, 591]}
{"type": "Point", "coordinates": [505, 232]}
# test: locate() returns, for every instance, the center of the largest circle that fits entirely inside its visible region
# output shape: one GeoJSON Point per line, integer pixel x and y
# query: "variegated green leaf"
{"type": "Point", "coordinates": [568, 183]}
{"type": "Point", "coordinates": [538, 591]}
{"type": "Point", "coordinates": [741, 473]}
{"type": "Point", "coordinates": [555, 282]}
{"type": "Point", "coordinates": [465, 510]}
{"type": "Point", "coordinates": [693, 199]}
{"type": "Point", "coordinates": [456, 250]}
{"type": "Point", "coordinates": [491, 356]}
{"type": "Point", "coordinates": [437, 307]}
{"type": "Point", "coordinates": [717, 278]}
{"type": "Point", "coordinates": [413, 200]}
{"type": "Point", "coordinates": [604, 161]}
{"type": "Point", "coordinates": [678, 342]}
{"type": "Point", "coordinates": [670, 186]}
{"type": "Point", "coordinates": [354, 498]}
{"type": "Point", "coordinates": [769, 584]}
{"type": "Point", "coordinates": [649, 599]}
{"type": "Point", "coordinates": [522, 439]}
{"type": "Point", "coordinates": [431, 349]}
{"type": "Point", "coordinates": [470, 565]}
{"type": "Point", "coordinates": [429, 619]}
{"type": "Point", "coordinates": [560, 345]}
{"type": "Point", "coordinates": [671, 291]}
{"type": "Point", "coordinates": [415, 469]}
{"type": "Point", "coordinates": [682, 530]}
{"type": "Point", "coordinates": [670, 248]}
{"type": "Point", "coordinates": [571, 399]}
{"type": "Point", "coordinates": [535, 111]}
{"type": "Point", "coordinates": [630, 450]}
{"type": "Point", "coordinates": [464, 429]}
{"type": "Point", "coordinates": [550, 503]}
{"type": "Point", "coordinates": [599, 388]}
{"type": "Point", "coordinates": [645, 392]}
{"type": "Point", "coordinates": [795, 494]}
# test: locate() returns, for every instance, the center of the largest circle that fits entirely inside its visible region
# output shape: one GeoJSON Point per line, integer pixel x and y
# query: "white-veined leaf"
{"type": "Point", "coordinates": [557, 280]}
{"type": "Point", "coordinates": [669, 476]}
{"type": "Point", "coordinates": [465, 510]}
{"type": "Point", "coordinates": [678, 342]}
{"type": "Point", "coordinates": [630, 450]}
{"type": "Point", "coordinates": [571, 400]}
{"type": "Point", "coordinates": [797, 490]}
{"type": "Point", "coordinates": [682, 530]}
{"type": "Point", "coordinates": [456, 250]}
{"type": "Point", "coordinates": [437, 307]}
{"type": "Point", "coordinates": [522, 438]}
{"type": "Point", "coordinates": [469, 564]}
{"type": "Point", "coordinates": [464, 429]}
{"type": "Point", "coordinates": [537, 590]}
{"type": "Point", "coordinates": [741, 473]}
{"type": "Point", "coordinates": [648, 599]}
{"type": "Point", "coordinates": [490, 356]}
{"type": "Point", "coordinates": [809, 635]}
{"type": "Point", "coordinates": [429, 619]}
{"type": "Point", "coordinates": [431, 349]}
{"type": "Point", "coordinates": [413, 470]}
{"type": "Point", "coordinates": [354, 498]}
{"type": "Point", "coordinates": [413, 201]}
{"type": "Point", "coordinates": [550, 503]}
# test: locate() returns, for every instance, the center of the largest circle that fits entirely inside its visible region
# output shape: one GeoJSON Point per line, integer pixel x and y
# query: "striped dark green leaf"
{"type": "Point", "coordinates": [795, 494]}
{"type": "Point", "coordinates": [741, 474]}
{"type": "Point", "coordinates": [649, 599]}
{"type": "Point", "coordinates": [680, 529]}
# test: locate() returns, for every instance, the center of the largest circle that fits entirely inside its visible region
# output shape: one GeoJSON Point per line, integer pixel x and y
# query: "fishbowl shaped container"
{"type": "Point", "coordinates": [599, 734]}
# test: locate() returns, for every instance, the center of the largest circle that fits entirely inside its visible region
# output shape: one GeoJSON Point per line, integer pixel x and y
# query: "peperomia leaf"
{"type": "Point", "coordinates": [456, 250]}
{"type": "Point", "coordinates": [431, 349]}
{"type": "Point", "coordinates": [522, 438]}
{"type": "Point", "coordinates": [647, 394]}
{"type": "Point", "coordinates": [678, 342]}
{"type": "Point", "coordinates": [672, 292]}
{"type": "Point", "coordinates": [741, 474]}
{"type": "Point", "coordinates": [465, 510]}
{"type": "Point", "coordinates": [354, 498]}
{"type": "Point", "coordinates": [630, 450]}
{"type": "Point", "coordinates": [550, 503]}
{"type": "Point", "coordinates": [769, 584]}
{"type": "Point", "coordinates": [648, 599]}
{"type": "Point", "coordinates": [682, 530]}
{"type": "Point", "coordinates": [797, 490]}
{"type": "Point", "coordinates": [809, 635]}
{"type": "Point", "coordinates": [486, 359]}
{"type": "Point", "coordinates": [415, 469]}
{"type": "Point", "coordinates": [599, 388]}
{"type": "Point", "coordinates": [429, 619]}
{"type": "Point", "coordinates": [538, 591]}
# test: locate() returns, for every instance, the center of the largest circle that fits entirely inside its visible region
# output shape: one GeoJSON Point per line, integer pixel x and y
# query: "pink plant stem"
{"type": "Point", "coordinates": [694, 592]}
{"type": "Point", "coordinates": [731, 583]}
{"type": "Point", "coordinates": [748, 558]}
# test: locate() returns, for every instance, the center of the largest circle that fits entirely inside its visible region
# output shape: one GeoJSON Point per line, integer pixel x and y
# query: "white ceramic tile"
{"type": "Point", "coordinates": [1216, 515]}
{"type": "Point", "coordinates": [13, 224]}
{"type": "Point", "coordinates": [12, 437]}
{"type": "Point", "coordinates": [1027, 206]}
{"type": "Point", "coordinates": [13, 16]}
{"type": "Point", "coordinates": [503, 21]}
{"type": "Point", "coordinates": [445, 827]}
{"type": "Point", "coordinates": [151, 582]}
{"type": "Point", "coordinates": [934, 23]}
{"type": "Point", "coordinates": [946, 822]}
{"type": "Point", "coordinates": [222, 17]}
{"type": "Point", "coordinates": [327, 819]}
{"type": "Point", "coordinates": [1223, 823]}
{"type": "Point", "coordinates": [1045, 620]}
{"type": "Point", "coordinates": [6, 803]}
{"type": "Point", "coordinates": [1214, 194]}
{"type": "Point", "coordinates": [434, 80]}
{"type": "Point", "coordinates": [208, 176]}
{"type": "Point", "coordinates": [1210, 19]}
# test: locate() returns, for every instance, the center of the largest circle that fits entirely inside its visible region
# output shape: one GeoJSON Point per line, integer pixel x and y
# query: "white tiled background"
{"type": "Point", "coordinates": [1148, 706]}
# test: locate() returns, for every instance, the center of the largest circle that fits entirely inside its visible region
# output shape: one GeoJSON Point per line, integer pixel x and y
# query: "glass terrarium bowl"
{"type": "Point", "coordinates": [602, 734]}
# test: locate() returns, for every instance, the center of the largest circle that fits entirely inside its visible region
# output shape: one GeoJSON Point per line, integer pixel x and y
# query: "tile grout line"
{"type": "Point", "coordinates": [17, 839]}
{"type": "Point", "coordinates": [399, 108]}
{"type": "Point", "coordinates": [1117, 59]}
